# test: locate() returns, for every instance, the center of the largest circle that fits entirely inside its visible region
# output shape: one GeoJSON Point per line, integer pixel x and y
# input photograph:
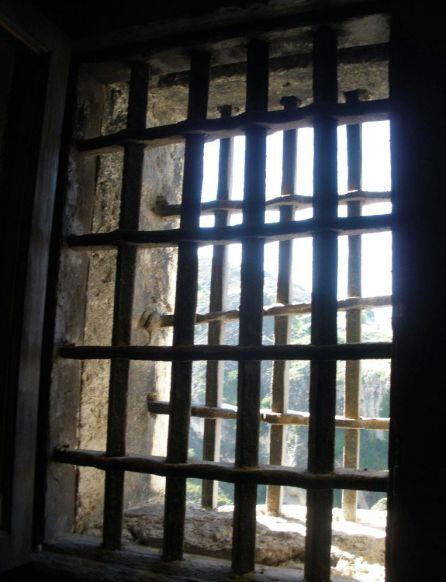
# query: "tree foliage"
{"type": "Point", "coordinates": [375, 383]}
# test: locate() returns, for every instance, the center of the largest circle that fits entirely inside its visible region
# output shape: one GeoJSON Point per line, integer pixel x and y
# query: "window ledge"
{"type": "Point", "coordinates": [81, 558]}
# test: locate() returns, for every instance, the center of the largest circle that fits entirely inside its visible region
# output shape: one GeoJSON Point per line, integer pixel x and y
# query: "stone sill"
{"type": "Point", "coordinates": [77, 558]}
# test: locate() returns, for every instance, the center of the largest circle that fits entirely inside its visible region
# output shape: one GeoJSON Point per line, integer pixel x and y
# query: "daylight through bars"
{"type": "Point", "coordinates": [246, 473]}
{"type": "Point", "coordinates": [280, 383]}
{"type": "Point", "coordinates": [214, 369]}
{"type": "Point", "coordinates": [353, 317]}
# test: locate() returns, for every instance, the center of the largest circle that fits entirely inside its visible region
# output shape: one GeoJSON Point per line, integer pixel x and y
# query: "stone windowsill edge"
{"type": "Point", "coordinates": [79, 557]}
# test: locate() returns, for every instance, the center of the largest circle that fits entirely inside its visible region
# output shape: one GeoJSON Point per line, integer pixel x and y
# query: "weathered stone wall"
{"type": "Point", "coordinates": [154, 292]}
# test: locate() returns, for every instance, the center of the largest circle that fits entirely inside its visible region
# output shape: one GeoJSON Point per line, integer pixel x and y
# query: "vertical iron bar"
{"type": "Point", "coordinates": [280, 384]}
{"type": "Point", "coordinates": [185, 311]}
{"type": "Point", "coordinates": [123, 304]}
{"type": "Point", "coordinates": [214, 369]}
{"type": "Point", "coordinates": [353, 316]}
{"type": "Point", "coordinates": [324, 309]}
{"type": "Point", "coordinates": [251, 310]}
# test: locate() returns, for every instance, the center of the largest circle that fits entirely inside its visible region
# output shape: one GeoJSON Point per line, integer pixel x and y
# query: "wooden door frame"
{"type": "Point", "coordinates": [34, 32]}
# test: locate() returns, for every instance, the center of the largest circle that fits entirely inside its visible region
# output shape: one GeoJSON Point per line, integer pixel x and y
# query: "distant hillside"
{"type": "Point", "coordinates": [375, 381]}
{"type": "Point", "coordinates": [300, 294]}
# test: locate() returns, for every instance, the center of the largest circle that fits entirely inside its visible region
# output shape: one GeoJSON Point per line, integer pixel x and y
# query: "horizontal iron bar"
{"type": "Point", "coordinates": [220, 128]}
{"type": "Point", "coordinates": [263, 474]}
{"type": "Point", "coordinates": [233, 234]}
{"type": "Point", "coordinates": [154, 320]}
{"type": "Point", "coordinates": [290, 417]}
{"type": "Point", "coordinates": [381, 350]}
{"type": "Point", "coordinates": [162, 208]}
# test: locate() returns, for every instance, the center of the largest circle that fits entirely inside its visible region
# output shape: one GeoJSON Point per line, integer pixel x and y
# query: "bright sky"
{"type": "Point", "coordinates": [376, 248]}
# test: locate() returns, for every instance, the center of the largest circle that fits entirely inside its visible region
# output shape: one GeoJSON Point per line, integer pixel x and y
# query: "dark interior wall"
{"type": "Point", "coordinates": [107, 15]}
{"type": "Point", "coordinates": [416, 539]}
{"type": "Point", "coordinates": [32, 107]}
{"type": "Point", "coordinates": [21, 110]}
{"type": "Point", "coordinates": [81, 19]}
{"type": "Point", "coordinates": [7, 57]}
{"type": "Point", "coordinates": [7, 54]}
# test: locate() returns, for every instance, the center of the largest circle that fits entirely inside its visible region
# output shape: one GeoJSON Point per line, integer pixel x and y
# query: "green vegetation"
{"type": "Point", "coordinates": [374, 395]}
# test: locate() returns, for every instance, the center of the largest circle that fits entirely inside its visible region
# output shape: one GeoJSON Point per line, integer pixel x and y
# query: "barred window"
{"type": "Point", "coordinates": [225, 283]}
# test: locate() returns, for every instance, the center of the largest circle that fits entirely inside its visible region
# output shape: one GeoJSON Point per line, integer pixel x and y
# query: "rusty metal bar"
{"type": "Point", "coordinates": [370, 351]}
{"type": "Point", "coordinates": [232, 234]}
{"type": "Point", "coordinates": [353, 317]}
{"type": "Point", "coordinates": [324, 312]}
{"type": "Point", "coordinates": [270, 417]}
{"type": "Point", "coordinates": [214, 369]}
{"type": "Point", "coordinates": [251, 311]}
{"type": "Point", "coordinates": [260, 474]}
{"type": "Point", "coordinates": [155, 320]}
{"type": "Point", "coordinates": [211, 129]}
{"type": "Point", "coordinates": [280, 384]}
{"type": "Point", "coordinates": [165, 209]}
{"type": "Point", "coordinates": [185, 309]}
{"type": "Point", "coordinates": [123, 305]}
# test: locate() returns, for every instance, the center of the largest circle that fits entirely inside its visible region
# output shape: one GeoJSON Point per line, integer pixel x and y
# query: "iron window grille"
{"type": "Point", "coordinates": [321, 477]}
